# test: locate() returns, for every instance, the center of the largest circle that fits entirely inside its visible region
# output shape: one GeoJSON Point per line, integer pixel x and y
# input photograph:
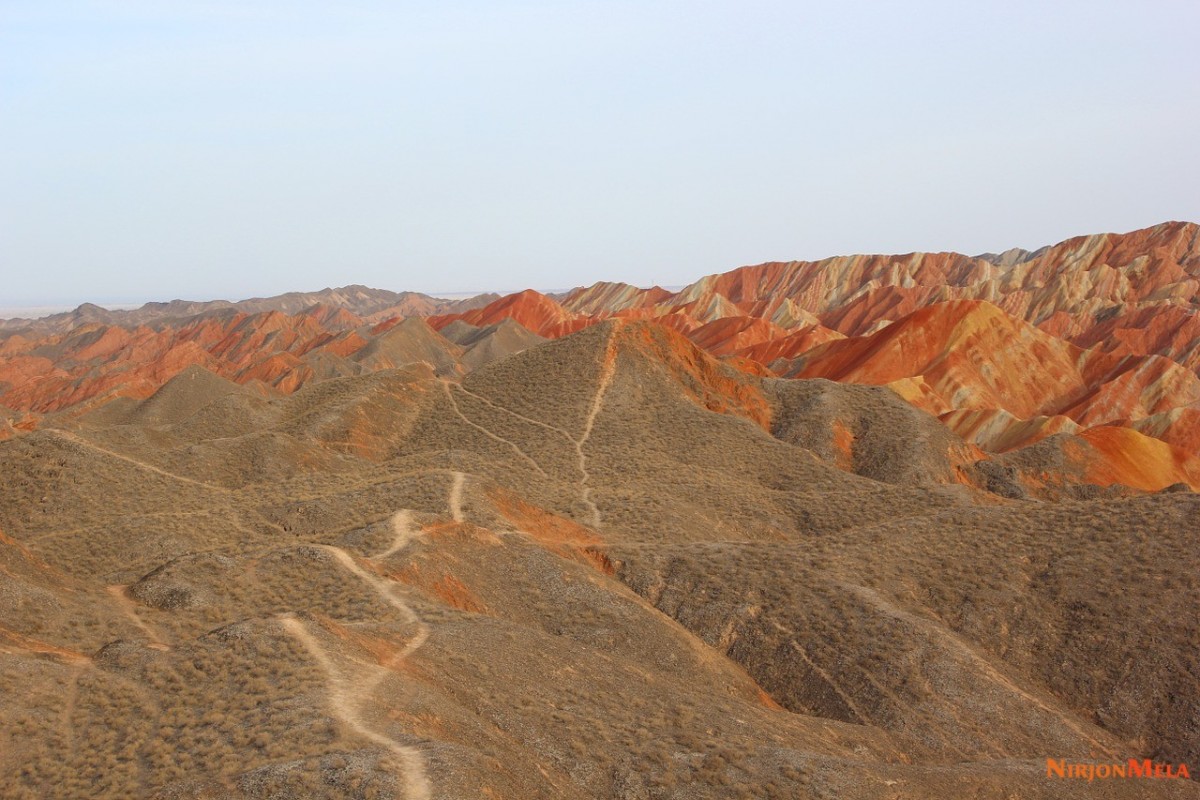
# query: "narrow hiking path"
{"type": "Point", "coordinates": [79, 440]}
{"type": "Point", "coordinates": [129, 609]}
{"type": "Point", "coordinates": [490, 434]}
{"type": "Point", "coordinates": [515, 414]}
{"type": "Point", "coordinates": [384, 588]}
{"type": "Point", "coordinates": [404, 530]}
{"type": "Point", "coordinates": [68, 710]}
{"type": "Point", "coordinates": [607, 369]}
{"type": "Point", "coordinates": [578, 443]}
{"type": "Point", "coordinates": [348, 694]}
{"type": "Point", "coordinates": [346, 701]}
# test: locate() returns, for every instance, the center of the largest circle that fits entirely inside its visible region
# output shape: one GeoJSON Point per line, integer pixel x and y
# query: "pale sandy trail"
{"type": "Point", "coordinates": [404, 531]}
{"type": "Point", "coordinates": [384, 589]}
{"type": "Point", "coordinates": [519, 416]}
{"type": "Point", "coordinates": [456, 493]}
{"type": "Point", "coordinates": [70, 437]}
{"type": "Point", "coordinates": [345, 701]}
{"type": "Point", "coordinates": [489, 434]}
{"type": "Point", "coordinates": [607, 369]}
{"type": "Point", "coordinates": [129, 609]}
{"type": "Point", "coordinates": [347, 698]}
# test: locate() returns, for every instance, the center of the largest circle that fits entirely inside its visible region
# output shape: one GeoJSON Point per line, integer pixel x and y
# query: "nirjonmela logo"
{"type": "Point", "coordinates": [1133, 768]}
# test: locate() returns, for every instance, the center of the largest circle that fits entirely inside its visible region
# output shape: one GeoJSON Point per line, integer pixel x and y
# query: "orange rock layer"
{"type": "Point", "coordinates": [1097, 337]}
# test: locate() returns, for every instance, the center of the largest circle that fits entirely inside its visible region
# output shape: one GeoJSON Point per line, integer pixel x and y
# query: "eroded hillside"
{"type": "Point", "coordinates": [604, 566]}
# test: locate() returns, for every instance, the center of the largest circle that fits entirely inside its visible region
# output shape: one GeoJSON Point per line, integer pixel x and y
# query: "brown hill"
{"type": "Point", "coordinates": [590, 546]}
{"type": "Point", "coordinates": [411, 341]}
{"type": "Point", "coordinates": [609, 565]}
{"type": "Point", "coordinates": [868, 430]}
{"type": "Point", "coordinates": [181, 397]}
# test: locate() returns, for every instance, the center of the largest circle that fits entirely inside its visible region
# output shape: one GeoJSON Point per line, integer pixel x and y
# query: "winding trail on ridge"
{"type": "Point", "coordinates": [404, 531]}
{"type": "Point", "coordinates": [348, 697]}
{"type": "Point", "coordinates": [345, 701]}
{"type": "Point", "coordinates": [488, 433]}
{"type": "Point", "coordinates": [68, 710]}
{"type": "Point", "coordinates": [519, 416]}
{"type": "Point", "coordinates": [81, 442]}
{"type": "Point", "coordinates": [384, 589]}
{"type": "Point", "coordinates": [607, 369]}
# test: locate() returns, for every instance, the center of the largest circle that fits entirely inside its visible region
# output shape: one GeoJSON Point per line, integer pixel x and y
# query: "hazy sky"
{"type": "Point", "coordinates": [166, 148]}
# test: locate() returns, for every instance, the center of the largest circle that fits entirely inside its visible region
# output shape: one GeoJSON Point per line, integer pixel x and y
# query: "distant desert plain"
{"type": "Point", "coordinates": [876, 526]}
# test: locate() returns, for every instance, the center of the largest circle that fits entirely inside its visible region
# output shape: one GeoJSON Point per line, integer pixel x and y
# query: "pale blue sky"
{"type": "Point", "coordinates": [156, 149]}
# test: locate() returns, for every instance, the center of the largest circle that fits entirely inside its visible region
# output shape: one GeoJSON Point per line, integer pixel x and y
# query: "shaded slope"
{"type": "Point", "coordinates": [496, 341]}
{"type": "Point", "coordinates": [1043, 624]}
{"type": "Point", "coordinates": [411, 341]}
{"type": "Point", "coordinates": [181, 397]}
{"type": "Point", "coordinates": [867, 430]}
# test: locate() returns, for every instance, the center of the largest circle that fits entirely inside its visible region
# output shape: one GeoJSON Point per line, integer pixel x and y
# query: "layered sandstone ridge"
{"type": "Point", "coordinates": [1007, 351]}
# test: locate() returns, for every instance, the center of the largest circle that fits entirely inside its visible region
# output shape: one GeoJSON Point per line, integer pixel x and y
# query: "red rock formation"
{"type": "Point", "coordinates": [729, 334]}
{"type": "Point", "coordinates": [999, 431]}
{"type": "Point", "coordinates": [789, 346]}
{"type": "Point", "coordinates": [1108, 455]}
{"type": "Point", "coordinates": [1095, 331]}
{"type": "Point", "coordinates": [1179, 427]}
{"type": "Point", "coordinates": [608, 298]}
{"type": "Point", "coordinates": [531, 309]}
{"type": "Point", "coordinates": [968, 354]}
{"type": "Point", "coordinates": [1160, 329]}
